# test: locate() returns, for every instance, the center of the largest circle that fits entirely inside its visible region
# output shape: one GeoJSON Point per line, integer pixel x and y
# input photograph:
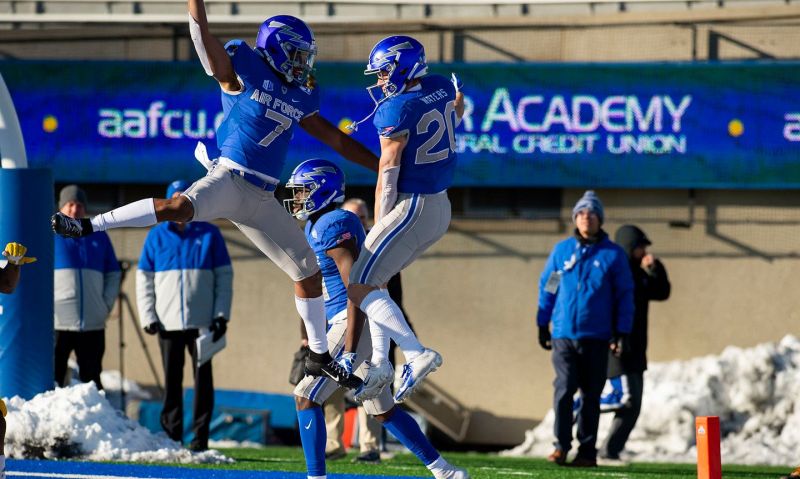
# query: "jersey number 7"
{"type": "Point", "coordinates": [284, 123]}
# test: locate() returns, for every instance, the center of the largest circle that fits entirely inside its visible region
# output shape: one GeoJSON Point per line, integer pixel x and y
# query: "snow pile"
{"type": "Point", "coordinates": [78, 422]}
{"type": "Point", "coordinates": [114, 386]}
{"type": "Point", "coordinates": [754, 391]}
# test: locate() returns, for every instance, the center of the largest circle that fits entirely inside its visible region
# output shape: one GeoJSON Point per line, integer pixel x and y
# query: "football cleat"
{"type": "Point", "coordinates": [378, 376]}
{"type": "Point", "coordinates": [70, 227]}
{"type": "Point", "coordinates": [333, 371]}
{"type": "Point", "coordinates": [415, 371]}
{"type": "Point", "coordinates": [450, 473]}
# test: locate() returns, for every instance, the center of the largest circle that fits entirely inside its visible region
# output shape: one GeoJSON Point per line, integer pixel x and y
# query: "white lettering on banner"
{"type": "Point", "coordinates": [791, 130]}
{"type": "Point", "coordinates": [583, 113]}
{"type": "Point", "coordinates": [646, 144]}
{"type": "Point", "coordinates": [581, 124]}
{"type": "Point", "coordinates": [157, 121]}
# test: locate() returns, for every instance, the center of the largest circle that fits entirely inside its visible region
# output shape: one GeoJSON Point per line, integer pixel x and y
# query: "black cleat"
{"type": "Point", "coordinates": [70, 227]}
{"type": "Point", "coordinates": [323, 365]}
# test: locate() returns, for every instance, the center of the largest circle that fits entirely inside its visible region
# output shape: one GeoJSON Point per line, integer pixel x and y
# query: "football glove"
{"type": "Point", "coordinates": [457, 84]}
{"type": "Point", "coordinates": [545, 340]}
{"type": "Point", "coordinates": [346, 361]}
{"type": "Point", "coordinates": [218, 327]}
{"type": "Point", "coordinates": [15, 254]}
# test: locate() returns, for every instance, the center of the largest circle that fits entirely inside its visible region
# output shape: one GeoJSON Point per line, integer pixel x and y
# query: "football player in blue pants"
{"type": "Point", "coordinates": [266, 92]}
{"type": "Point", "coordinates": [336, 235]}
{"type": "Point", "coordinates": [416, 114]}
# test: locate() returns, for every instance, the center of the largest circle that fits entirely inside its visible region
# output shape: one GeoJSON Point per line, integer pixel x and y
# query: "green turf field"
{"type": "Point", "coordinates": [480, 466]}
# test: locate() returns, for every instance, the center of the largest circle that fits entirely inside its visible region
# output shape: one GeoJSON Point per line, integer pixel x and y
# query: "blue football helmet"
{"type": "Point", "coordinates": [314, 184]}
{"type": "Point", "coordinates": [397, 59]}
{"type": "Point", "coordinates": [288, 46]}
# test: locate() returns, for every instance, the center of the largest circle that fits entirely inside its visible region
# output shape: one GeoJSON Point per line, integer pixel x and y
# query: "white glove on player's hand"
{"type": "Point", "coordinates": [457, 84]}
{"type": "Point", "coordinates": [346, 361]}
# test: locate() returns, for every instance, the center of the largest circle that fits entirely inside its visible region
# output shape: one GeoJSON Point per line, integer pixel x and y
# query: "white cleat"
{"type": "Point", "coordinates": [415, 372]}
{"type": "Point", "coordinates": [378, 376]}
{"type": "Point", "coordinates": [451, 473]}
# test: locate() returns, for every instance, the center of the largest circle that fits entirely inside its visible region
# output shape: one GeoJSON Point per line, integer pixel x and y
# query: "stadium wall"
{"type": "Point", "coordinates": [731, 255]}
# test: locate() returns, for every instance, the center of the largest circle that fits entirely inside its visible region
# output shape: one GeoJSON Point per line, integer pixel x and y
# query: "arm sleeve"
{"type": "Point", "coordinates": [546, 300]}
{"type": "Point", "coordinates": [223, 277]}
{"type": "Point", "coordinates": [658, 286]}
{"type": "Point", "coordinates": [111, 276]}
{"type": "Point", "coordinates": [622, 281]}
{"type": "Point", "coordinates": [146, 287]}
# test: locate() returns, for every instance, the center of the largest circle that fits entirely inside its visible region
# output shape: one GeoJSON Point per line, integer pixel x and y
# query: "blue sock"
{"type": "Point", "coordinates": [407, 431]}
{"type": "Point", "coordinates": [313, 436]}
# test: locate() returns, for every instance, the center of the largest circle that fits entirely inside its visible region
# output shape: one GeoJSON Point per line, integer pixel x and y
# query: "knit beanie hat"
{"type": "Point", "coordinates": [71, 193]}
{"type": "Point", "coordinates": [629, 237]}
{"type": "Point", "coordinates": [589, 201]}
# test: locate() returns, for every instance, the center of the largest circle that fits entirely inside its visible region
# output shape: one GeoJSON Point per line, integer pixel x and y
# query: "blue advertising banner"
{"type": "Point", "coordinates": [674, 125]}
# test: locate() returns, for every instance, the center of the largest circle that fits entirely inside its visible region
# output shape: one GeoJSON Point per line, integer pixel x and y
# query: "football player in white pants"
{"type": "Point", "coordinates": [266, 92]}
{"type": "Point", "coordinates": [415, 117]}
{"type": "Point", "coordinates": [336, 236]}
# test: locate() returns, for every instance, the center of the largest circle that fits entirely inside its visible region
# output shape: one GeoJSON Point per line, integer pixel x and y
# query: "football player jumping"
{"type": "Point", "coordinates": [266, 91]}
{"type": "Point", "coordinates": [336, 235]}
{"type": "Point", "coordinates": [416, 114]}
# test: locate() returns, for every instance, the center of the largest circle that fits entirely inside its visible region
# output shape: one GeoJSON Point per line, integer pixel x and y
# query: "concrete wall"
{"type": "Point", "coordinates": [473, 297]}
{"type": "Point", "coordinates": [605, 34]}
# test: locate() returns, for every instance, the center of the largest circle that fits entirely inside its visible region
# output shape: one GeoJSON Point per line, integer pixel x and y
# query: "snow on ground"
{"type": "Point", "coordinates": [79, 422]}
{"type": "Point", "coordinates": [754, 391]}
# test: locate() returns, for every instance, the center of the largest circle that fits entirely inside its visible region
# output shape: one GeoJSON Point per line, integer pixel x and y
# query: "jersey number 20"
{"type": "Point", "coordinates": [443, 123]}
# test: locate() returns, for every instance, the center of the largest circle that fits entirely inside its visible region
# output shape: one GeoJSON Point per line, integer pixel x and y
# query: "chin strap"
{"type": "Point", "coordinates": [353, 126]}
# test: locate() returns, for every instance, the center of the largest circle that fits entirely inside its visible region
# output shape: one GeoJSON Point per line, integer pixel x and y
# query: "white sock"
{"type": "Point", "coordinates": [137, 214]}
{"type": "Point", "coordinates": [312, 310]}
{"type": "Point", "coordinates": [439, 463]}
{"type": "Point", "coordinates": [380, 342]}
{"type": "Point", "coordinates": [318, 477]}
{"type": "Point", "coordinates": [384, 312]}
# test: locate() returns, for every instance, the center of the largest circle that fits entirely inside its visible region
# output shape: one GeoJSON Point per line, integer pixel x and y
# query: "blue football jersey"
{"type": "Point", "coordinates": [259, 121]}
{"type": "Point", "coordinates": [329, 231]}
{"type": "Point", "coordinates": [428, 116]}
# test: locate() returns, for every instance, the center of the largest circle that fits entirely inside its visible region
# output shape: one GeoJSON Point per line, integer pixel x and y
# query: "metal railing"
{"type": "Point", "coordinates": [315, 11]}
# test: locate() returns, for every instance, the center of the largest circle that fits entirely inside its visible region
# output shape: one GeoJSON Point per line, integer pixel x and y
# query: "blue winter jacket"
{"type": "Point", "coordinates": [586, 290]}
{"type": "Point", "coordinates": [87, 278]}
{"type": "Point", "coordinates": [185, 279]}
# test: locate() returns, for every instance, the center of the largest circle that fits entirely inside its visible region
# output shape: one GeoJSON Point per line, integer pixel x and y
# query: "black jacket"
{"type": "Point", "coordinates": [652, 285]}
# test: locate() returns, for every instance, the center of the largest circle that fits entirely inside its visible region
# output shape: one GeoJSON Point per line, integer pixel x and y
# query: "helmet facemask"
{"type": "Point", "coordinates": [300, 204]}
{"type": "Point", "coordinates": [299, 62]}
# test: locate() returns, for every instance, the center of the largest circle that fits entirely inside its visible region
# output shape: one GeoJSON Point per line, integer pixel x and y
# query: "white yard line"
{"type": "Point", "coordinates": [66, 476]}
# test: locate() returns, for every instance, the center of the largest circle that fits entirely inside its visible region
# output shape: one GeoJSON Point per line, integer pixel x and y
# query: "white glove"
{"type": "Point", "coordinates": [457, 84]}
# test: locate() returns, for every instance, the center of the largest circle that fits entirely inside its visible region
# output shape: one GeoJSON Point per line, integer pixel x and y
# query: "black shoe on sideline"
{"type": "Point", "coordinates": [197, 447]}
{"type": "Point", "coordinates": [369, 457]}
